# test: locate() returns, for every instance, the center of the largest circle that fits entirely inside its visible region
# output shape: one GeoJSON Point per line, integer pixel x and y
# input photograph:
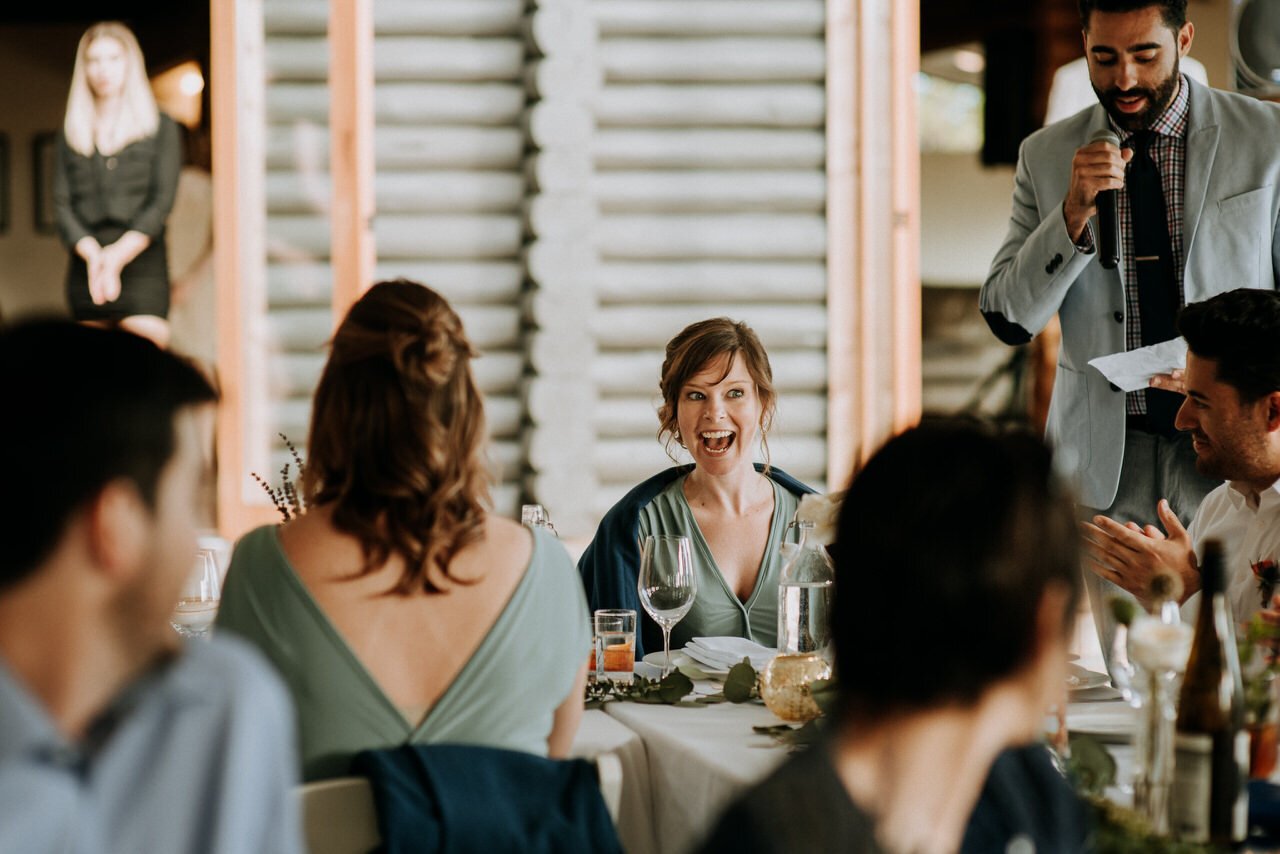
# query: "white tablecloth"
{"type": "Point", "coordinates": [699, 760]}
{"type": "Point", "coordinates": [681, 767]}
{"type": "Point", "coordinates": [598, 733]}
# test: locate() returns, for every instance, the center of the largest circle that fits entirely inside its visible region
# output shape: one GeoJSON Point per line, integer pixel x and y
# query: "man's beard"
{"type": "Point", "coordinates": [1158, 100]}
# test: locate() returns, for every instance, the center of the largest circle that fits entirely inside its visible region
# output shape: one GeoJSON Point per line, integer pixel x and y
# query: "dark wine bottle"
{"type": "Point", "coordinates": [1209, 801]}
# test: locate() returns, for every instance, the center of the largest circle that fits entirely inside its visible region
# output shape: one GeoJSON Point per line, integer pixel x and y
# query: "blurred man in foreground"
{"type": "Point", "coordinates": [116, 736]}
{"type": "Point", "coordinates": [980, 610]}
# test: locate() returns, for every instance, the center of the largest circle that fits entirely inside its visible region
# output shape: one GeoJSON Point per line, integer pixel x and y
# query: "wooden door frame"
{"type": "Point", "coordinates": [873, 228]}
{"type": "Point", "coordinates": [237, 82]}
{"type": "Point", "coordinates": [237, 67]}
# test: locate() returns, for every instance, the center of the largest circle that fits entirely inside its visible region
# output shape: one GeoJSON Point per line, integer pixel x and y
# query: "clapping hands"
{"type": "Point", "coordinates": [1130, 555]}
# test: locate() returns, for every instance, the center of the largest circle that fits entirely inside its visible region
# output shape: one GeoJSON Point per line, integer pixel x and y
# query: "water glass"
{"type": "Point", "coordinates": [536, 516]}
{"type": "Point", "coordinates": [198, 602]}
{"type": "Point", "coordinates": [615, 640]}
{"type": "Point", "coordinates": [667, 584]}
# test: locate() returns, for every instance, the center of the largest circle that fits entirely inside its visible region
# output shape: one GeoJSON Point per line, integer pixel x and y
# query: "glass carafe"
{"type": "Point", "coordinates": [805, 589]}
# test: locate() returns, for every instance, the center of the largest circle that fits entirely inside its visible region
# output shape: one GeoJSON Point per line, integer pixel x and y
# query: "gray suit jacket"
{"type": "Point", "coordinates": [1231, 235]}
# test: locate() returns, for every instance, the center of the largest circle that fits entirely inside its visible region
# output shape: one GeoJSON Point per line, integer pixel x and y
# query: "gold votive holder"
{"type": "Point", "coordinates": [786, 685]}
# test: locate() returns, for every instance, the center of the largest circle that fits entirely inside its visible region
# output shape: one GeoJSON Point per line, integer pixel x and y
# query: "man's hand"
{"type": "Point", "coordinates": [1096, 167]}
{"type": "Point", "coordinates": [1130, 556]}
{"type": "Point", "coordinates": [1171, 381]}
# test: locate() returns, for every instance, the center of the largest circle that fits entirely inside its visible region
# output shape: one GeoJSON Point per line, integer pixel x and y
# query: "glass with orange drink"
{"type": "Point", "coordinates": [615, 644]}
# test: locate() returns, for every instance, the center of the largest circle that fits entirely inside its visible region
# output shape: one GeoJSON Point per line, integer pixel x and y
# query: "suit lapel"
{"type": "Point", "coordinates": [1202, 147]}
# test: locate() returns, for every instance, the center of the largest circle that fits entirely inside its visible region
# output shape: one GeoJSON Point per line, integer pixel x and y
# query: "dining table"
{"type": "Point", "coordinates": [683, 765]}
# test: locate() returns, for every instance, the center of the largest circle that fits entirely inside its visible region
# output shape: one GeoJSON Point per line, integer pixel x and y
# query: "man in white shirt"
{"type": "Point", "coordinates": [1232, 411]}
{"type": "Point", "coordinates": [114, 735]}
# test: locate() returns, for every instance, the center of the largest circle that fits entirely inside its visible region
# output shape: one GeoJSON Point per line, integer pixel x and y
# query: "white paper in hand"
{"type": "Point", "coordinates": [1133, 369]}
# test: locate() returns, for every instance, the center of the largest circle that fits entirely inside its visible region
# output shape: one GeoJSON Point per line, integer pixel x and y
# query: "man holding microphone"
{"type": "Point", "coordinates": [1186, 181]}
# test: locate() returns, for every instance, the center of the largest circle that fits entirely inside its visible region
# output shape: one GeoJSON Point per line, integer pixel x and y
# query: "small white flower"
{"type": "Point", "coordinates": [1156, 645]}
{"type": "Point", "coordinates": [823, 511]}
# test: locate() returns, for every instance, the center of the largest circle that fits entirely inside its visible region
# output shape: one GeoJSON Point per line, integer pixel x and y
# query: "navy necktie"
{"type": "Point", "coordinates": [1158, 298]}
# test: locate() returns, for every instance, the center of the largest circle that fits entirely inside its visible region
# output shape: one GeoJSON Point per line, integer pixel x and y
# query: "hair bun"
{"type": "Point", "coordinates": [409, 327]}
{"type": "Point", "coordinates": [432, 351]}
{"type": "Point", "coordinates": [437, 354]}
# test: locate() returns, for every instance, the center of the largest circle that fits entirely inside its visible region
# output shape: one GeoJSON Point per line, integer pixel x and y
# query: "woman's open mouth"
{"type": "Point", "coordinates": [717, 442]}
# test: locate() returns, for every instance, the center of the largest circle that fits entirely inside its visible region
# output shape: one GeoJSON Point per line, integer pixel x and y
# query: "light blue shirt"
{"type": "Point", "coordinates": [196, 757]}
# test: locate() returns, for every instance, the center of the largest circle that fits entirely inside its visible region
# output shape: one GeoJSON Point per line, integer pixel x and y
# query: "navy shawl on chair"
{"type": "Point", "coordinates": [463, 798]}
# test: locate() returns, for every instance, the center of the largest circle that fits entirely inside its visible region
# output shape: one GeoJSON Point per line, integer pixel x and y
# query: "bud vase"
{"type": "Point", "coordinates": [1154, 740]}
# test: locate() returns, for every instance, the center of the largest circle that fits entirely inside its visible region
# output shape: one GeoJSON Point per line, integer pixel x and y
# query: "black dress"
{"type": "Point", "coordinates": [103, 196]}
{"type": "Point", "coordinates": [804, 807]}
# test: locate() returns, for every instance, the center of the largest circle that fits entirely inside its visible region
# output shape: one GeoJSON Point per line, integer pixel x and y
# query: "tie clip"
{"type": "Point", "coordinates": [1146, 258]}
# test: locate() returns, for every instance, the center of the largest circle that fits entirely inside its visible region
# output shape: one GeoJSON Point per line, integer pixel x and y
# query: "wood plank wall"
{"type": "Point", "coordinates": [582, 178]}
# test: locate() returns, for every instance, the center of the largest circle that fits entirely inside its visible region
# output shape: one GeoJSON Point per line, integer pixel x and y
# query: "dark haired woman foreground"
{"type": "Point", "coordinates": [397, 608]}
{"type": "Point", "coordinates": [717, 403]}
{"type": "Point", "coordinates": [957, 577]}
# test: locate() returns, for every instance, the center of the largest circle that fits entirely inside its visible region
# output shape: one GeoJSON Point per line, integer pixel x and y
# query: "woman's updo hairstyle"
{"type": "Point", "coordinates": [397, 444]}
{"type": "Point", "coordinates": [696, 347]}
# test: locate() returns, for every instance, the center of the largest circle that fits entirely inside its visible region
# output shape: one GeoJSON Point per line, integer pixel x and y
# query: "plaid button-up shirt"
{"type": "Point", "coordinates": [1169, 151]}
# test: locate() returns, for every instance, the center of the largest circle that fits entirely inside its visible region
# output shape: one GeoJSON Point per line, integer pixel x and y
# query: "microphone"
{"type": "Point", "coordinates": [1108, 222]}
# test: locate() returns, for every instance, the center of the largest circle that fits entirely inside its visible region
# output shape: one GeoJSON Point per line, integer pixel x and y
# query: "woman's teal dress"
{"type": "Point", "coordinates": [505, 696]}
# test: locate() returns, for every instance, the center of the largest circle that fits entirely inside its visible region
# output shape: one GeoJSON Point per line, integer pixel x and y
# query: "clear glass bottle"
{"type": "Point", "coordinates": [1158, 645]}
{"type": "Point", "coordinates": [805, 588]}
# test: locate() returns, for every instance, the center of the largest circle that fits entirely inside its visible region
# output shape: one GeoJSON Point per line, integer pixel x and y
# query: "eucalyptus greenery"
{"type": "Point", "coordinates": [670, 690]}
{"type": "Point", "coordinates": [1117, 829]}
{"type": "Point", "coordinates": [740, 686]}
{"type": "Point", "coordinates": [1259, 665]}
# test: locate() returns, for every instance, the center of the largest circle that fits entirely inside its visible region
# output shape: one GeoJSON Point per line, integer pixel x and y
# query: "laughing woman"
{"type": "Point", "coordinates": [717, 401]}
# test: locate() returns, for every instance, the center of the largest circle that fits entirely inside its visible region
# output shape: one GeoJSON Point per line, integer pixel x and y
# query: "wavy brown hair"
{"type": "Point", "coordinates": [697, 346]}
{"type": "Point", "coordinates": [397, 442]}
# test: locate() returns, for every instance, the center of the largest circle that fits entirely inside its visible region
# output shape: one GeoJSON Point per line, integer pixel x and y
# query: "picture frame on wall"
{"type": "Point", "coordinates": [42, 166]}
{"type": "Point", "coordinates": [5, 194]}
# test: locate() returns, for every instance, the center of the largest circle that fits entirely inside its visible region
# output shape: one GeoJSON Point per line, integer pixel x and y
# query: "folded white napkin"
{"type": "Point", "coordinates": [724, 652]}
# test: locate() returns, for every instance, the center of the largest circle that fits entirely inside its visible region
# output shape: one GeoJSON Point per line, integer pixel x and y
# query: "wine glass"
{"type": "Point", "coordinates": [667, 584]}
{"type": "Point", "coordinates": [198, 602]}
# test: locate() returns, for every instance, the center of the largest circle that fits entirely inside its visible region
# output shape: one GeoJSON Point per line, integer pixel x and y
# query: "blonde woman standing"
{"type": "Point", "coordinates": [117, 167]}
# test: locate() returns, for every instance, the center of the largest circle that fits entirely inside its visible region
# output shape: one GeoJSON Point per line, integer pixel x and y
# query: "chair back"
{"type": "Point", "coordinates": [338, 816]}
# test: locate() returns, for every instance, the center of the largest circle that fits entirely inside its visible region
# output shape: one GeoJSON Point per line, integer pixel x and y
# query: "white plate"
{"type": "Point", "coordinates": [1079, 679]}
{"type": "Point", "coordinates": [685, 664]}
{"type": "Point", "coordinates": [1112, 723]}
